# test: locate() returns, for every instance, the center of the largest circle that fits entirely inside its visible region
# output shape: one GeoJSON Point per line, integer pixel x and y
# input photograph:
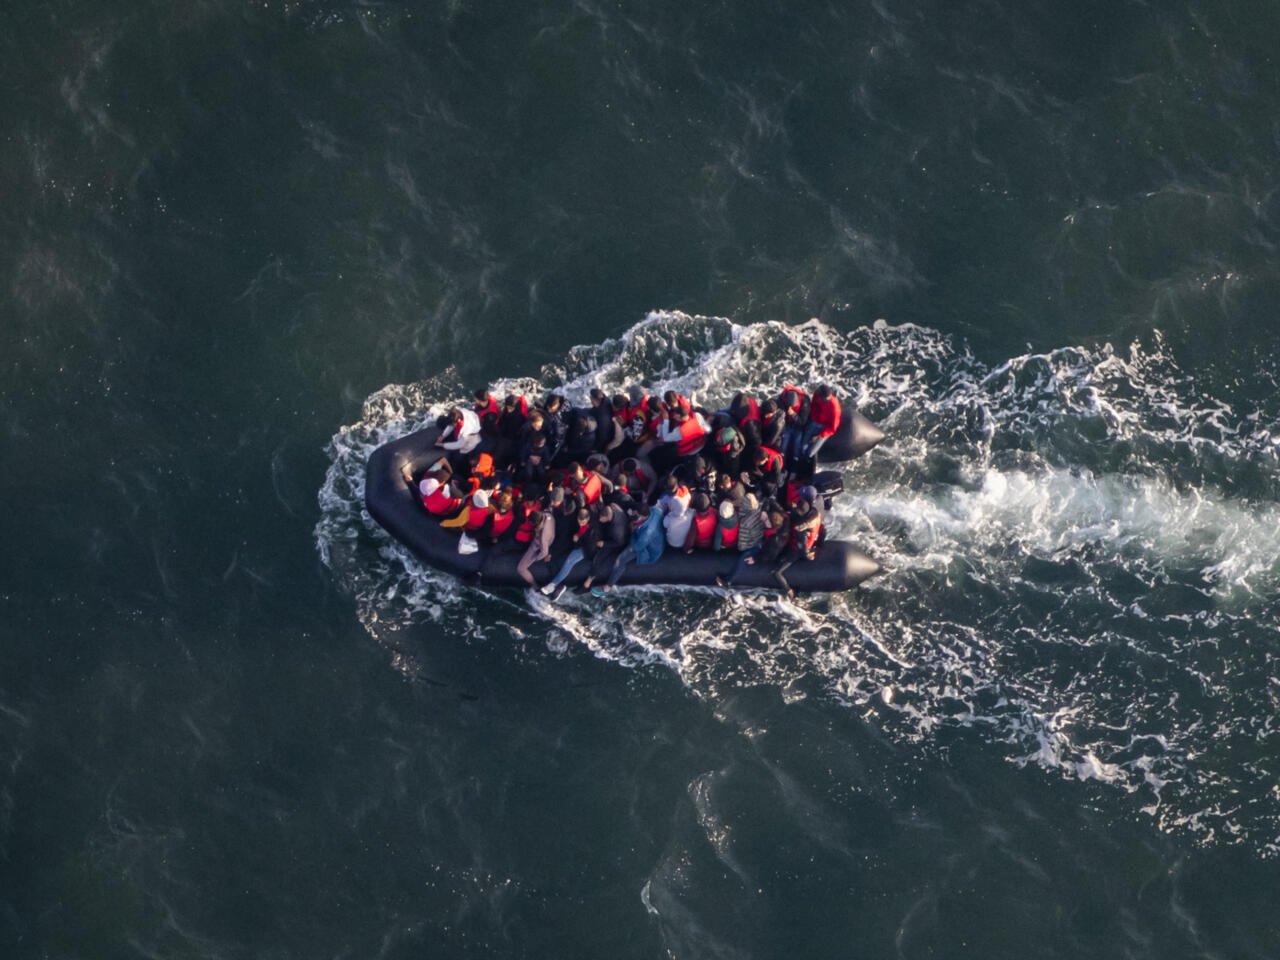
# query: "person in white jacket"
{"type": "Point", "coordinates": [463, 432]}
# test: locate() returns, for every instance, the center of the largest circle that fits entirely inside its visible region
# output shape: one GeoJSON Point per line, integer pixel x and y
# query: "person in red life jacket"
{"type": "Point", "coordinates": [479, 509]}
{"type": "Point", "coordinates": [726, 535]}
{"type": "Point", "coordinates": [696, 474]}
{"type": "Point", "coordinates": [673, 399]}
{"type": "Point", "coordinates": [502, 520]}
{"type": "Point", "coordinates": [542, 532]}
{"type": "Point", "coordinates": [588, 484]}
{"type": "Point", "coordinates": [683, 436]}
{"type": "Point", "coordinates": [773, 425]}
{"type": "Point", "coordinates": [766, 472]}
{"type": "Point", "coordinates": [825, 414]}
{"type": "Point", "coordinates": [753, 523]}
{"type": "Point", "coordinates": [702, 530]}
{"type": "Point", "coordinates": [524, 521]}
{"type": "Point", "coordinates": [794, 403]}
{"type": "Point", "coordinates": [745, 414]}
{"type": "Point", "coordinates": [806, 526]}
{"type": "Point", "coordinates": [640, 477]}
{"type": "Point", "coordinates": [439, 495]}
{"type": "Point", "coordinates": [487, 410]}
{"type": "Point", "coordinates": [635, 420]}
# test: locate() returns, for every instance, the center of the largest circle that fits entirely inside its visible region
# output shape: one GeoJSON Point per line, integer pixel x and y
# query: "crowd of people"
{"type": "Point", "coordinates": [631, 475]}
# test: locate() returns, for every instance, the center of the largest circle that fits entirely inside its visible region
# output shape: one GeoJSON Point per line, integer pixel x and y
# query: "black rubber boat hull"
{"type": "Point", "coordinates": [396, 507]}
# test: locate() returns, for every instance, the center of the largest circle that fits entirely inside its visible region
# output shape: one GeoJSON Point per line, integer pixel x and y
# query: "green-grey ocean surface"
{"type": "Point", "coordinates": [241, 243]}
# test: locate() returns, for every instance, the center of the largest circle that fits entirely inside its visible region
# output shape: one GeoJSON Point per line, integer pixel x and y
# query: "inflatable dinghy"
{"type": "Point", "coordinates": [396, 507]}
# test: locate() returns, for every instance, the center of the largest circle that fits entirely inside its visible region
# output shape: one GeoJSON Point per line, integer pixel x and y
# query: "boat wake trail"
{"type": "Point", "coordinates": [1081, 550]}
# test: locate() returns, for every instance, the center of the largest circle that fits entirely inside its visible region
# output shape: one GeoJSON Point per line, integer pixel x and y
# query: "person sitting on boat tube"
{"type": "Point", "coordinates": [462, 432]}
{"type": "Point", "coordinates": [539, 549]}
{"type": "Point", "coordinates": [824, 420]}
{"type": "Point", "coordinates": [702, 527]}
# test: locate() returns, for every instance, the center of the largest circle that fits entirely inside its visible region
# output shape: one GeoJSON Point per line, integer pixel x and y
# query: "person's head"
{"type": "Point", "coordinates": [455, 414]}
{"type": "Point", "coordinates": [537, 517]}
{"type": "Point", "coordinates": [606, 513]}
{"type": "Point", "coordinates": [502, 501]}
{"type": "Point", "coordinates": [489, 483]}
{"type": "Point", "coordinates": [553, 402]}
{"type": "Point", "coordinates": [701, 502]}
{"type": "Point", "coordinates": [619, 402]}
{"type": "Point", "coordinates": [511, 401]}
{"type": "Point", "coordinates": [700, 466]}
{"type": "Point", "coordinates": [769, 407]}
{"type": "Point", "coordinates": [576, 471]}
{"type": "Point", "coordinates": [597, 396]}
{"type": "Point", "coordinates": [740, 399]}
{"type": "Point", "coordinates": [672, 483]}
{"type": "Point", "coordinates": [726, 510]}
{"type": "Point", "coordinates": [637, 393]}
{"type": "Point", "coordinates": [536, 420]}
{"type": "Point", "coordinates": [801, 508]}
{"type": "Point", "coordinates": [789, 399]}
{"type": "Point", "coordinates": [584, 516]}
{"type": "Point", "coordinates": [537, 440]}
{"type": "Point", "coordinates": [724, 481]}
{"type": "Point", "coordinates": [629, 465]}
{"type": "Point", "coordinates": [555, 497]}
{"type": "Point", "coordinates": [671, 399]}
{"type": "Point", "coordinates": [762, 456]}
{"type": "Point", "coordinates": [481, 397]}
{"type": "Point", "coordinates": [823, 392]}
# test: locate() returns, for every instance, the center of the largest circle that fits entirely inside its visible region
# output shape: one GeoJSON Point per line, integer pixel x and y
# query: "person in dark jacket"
{"type": "Point", "coordinates": [615, 536]}
{"type": "Point", "coordinates": [773, 424]}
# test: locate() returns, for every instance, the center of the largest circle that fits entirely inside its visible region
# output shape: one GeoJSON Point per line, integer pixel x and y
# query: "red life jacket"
{"type": "Point", "coordinates": [524, 532]}
{"type": "Point", "coordinates": [501, 523]}
{"type": "Point", "coordinates": [704, 529]}
{"type": "Point", "coordinates": [827, 413]}
{"type": "Point", "coordinates": [753, 412]}
{"type": "Point", "coordinates": [729, 536]}
{"type": "Point", "coordinates": [683, 401]}
{"type": "Point", "coordinates": [439, 503]}
{"type": "Point", "coordinates": [774, 459]}
{"type": "Point", "coordinates": [692, 437]}
{"type": "Point", "coordinates": [590, 487]}
{"type": "Point", "coordinates": [801, 396]}
{"type": "Point", "coordinates": [791, 493]}
{"type": "Point", "coordinates": [490, 406]}
{"type": "Point", "coordinates": [476, 517]}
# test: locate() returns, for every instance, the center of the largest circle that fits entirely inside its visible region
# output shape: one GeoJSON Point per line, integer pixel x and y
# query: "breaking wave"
{"type": "Point", "coordinates": [1081, 550]}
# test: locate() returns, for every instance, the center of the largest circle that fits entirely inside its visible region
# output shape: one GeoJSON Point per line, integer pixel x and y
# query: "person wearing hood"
{"type": "Point", "coordinates": [539, 548]}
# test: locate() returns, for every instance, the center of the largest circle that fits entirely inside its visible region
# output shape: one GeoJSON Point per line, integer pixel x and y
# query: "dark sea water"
{"type": "Point", "coordinates": [243, 243]}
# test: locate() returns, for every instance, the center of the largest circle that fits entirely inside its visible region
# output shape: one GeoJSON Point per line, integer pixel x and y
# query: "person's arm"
{"type": "Point", "coordinates": [717, 539]}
